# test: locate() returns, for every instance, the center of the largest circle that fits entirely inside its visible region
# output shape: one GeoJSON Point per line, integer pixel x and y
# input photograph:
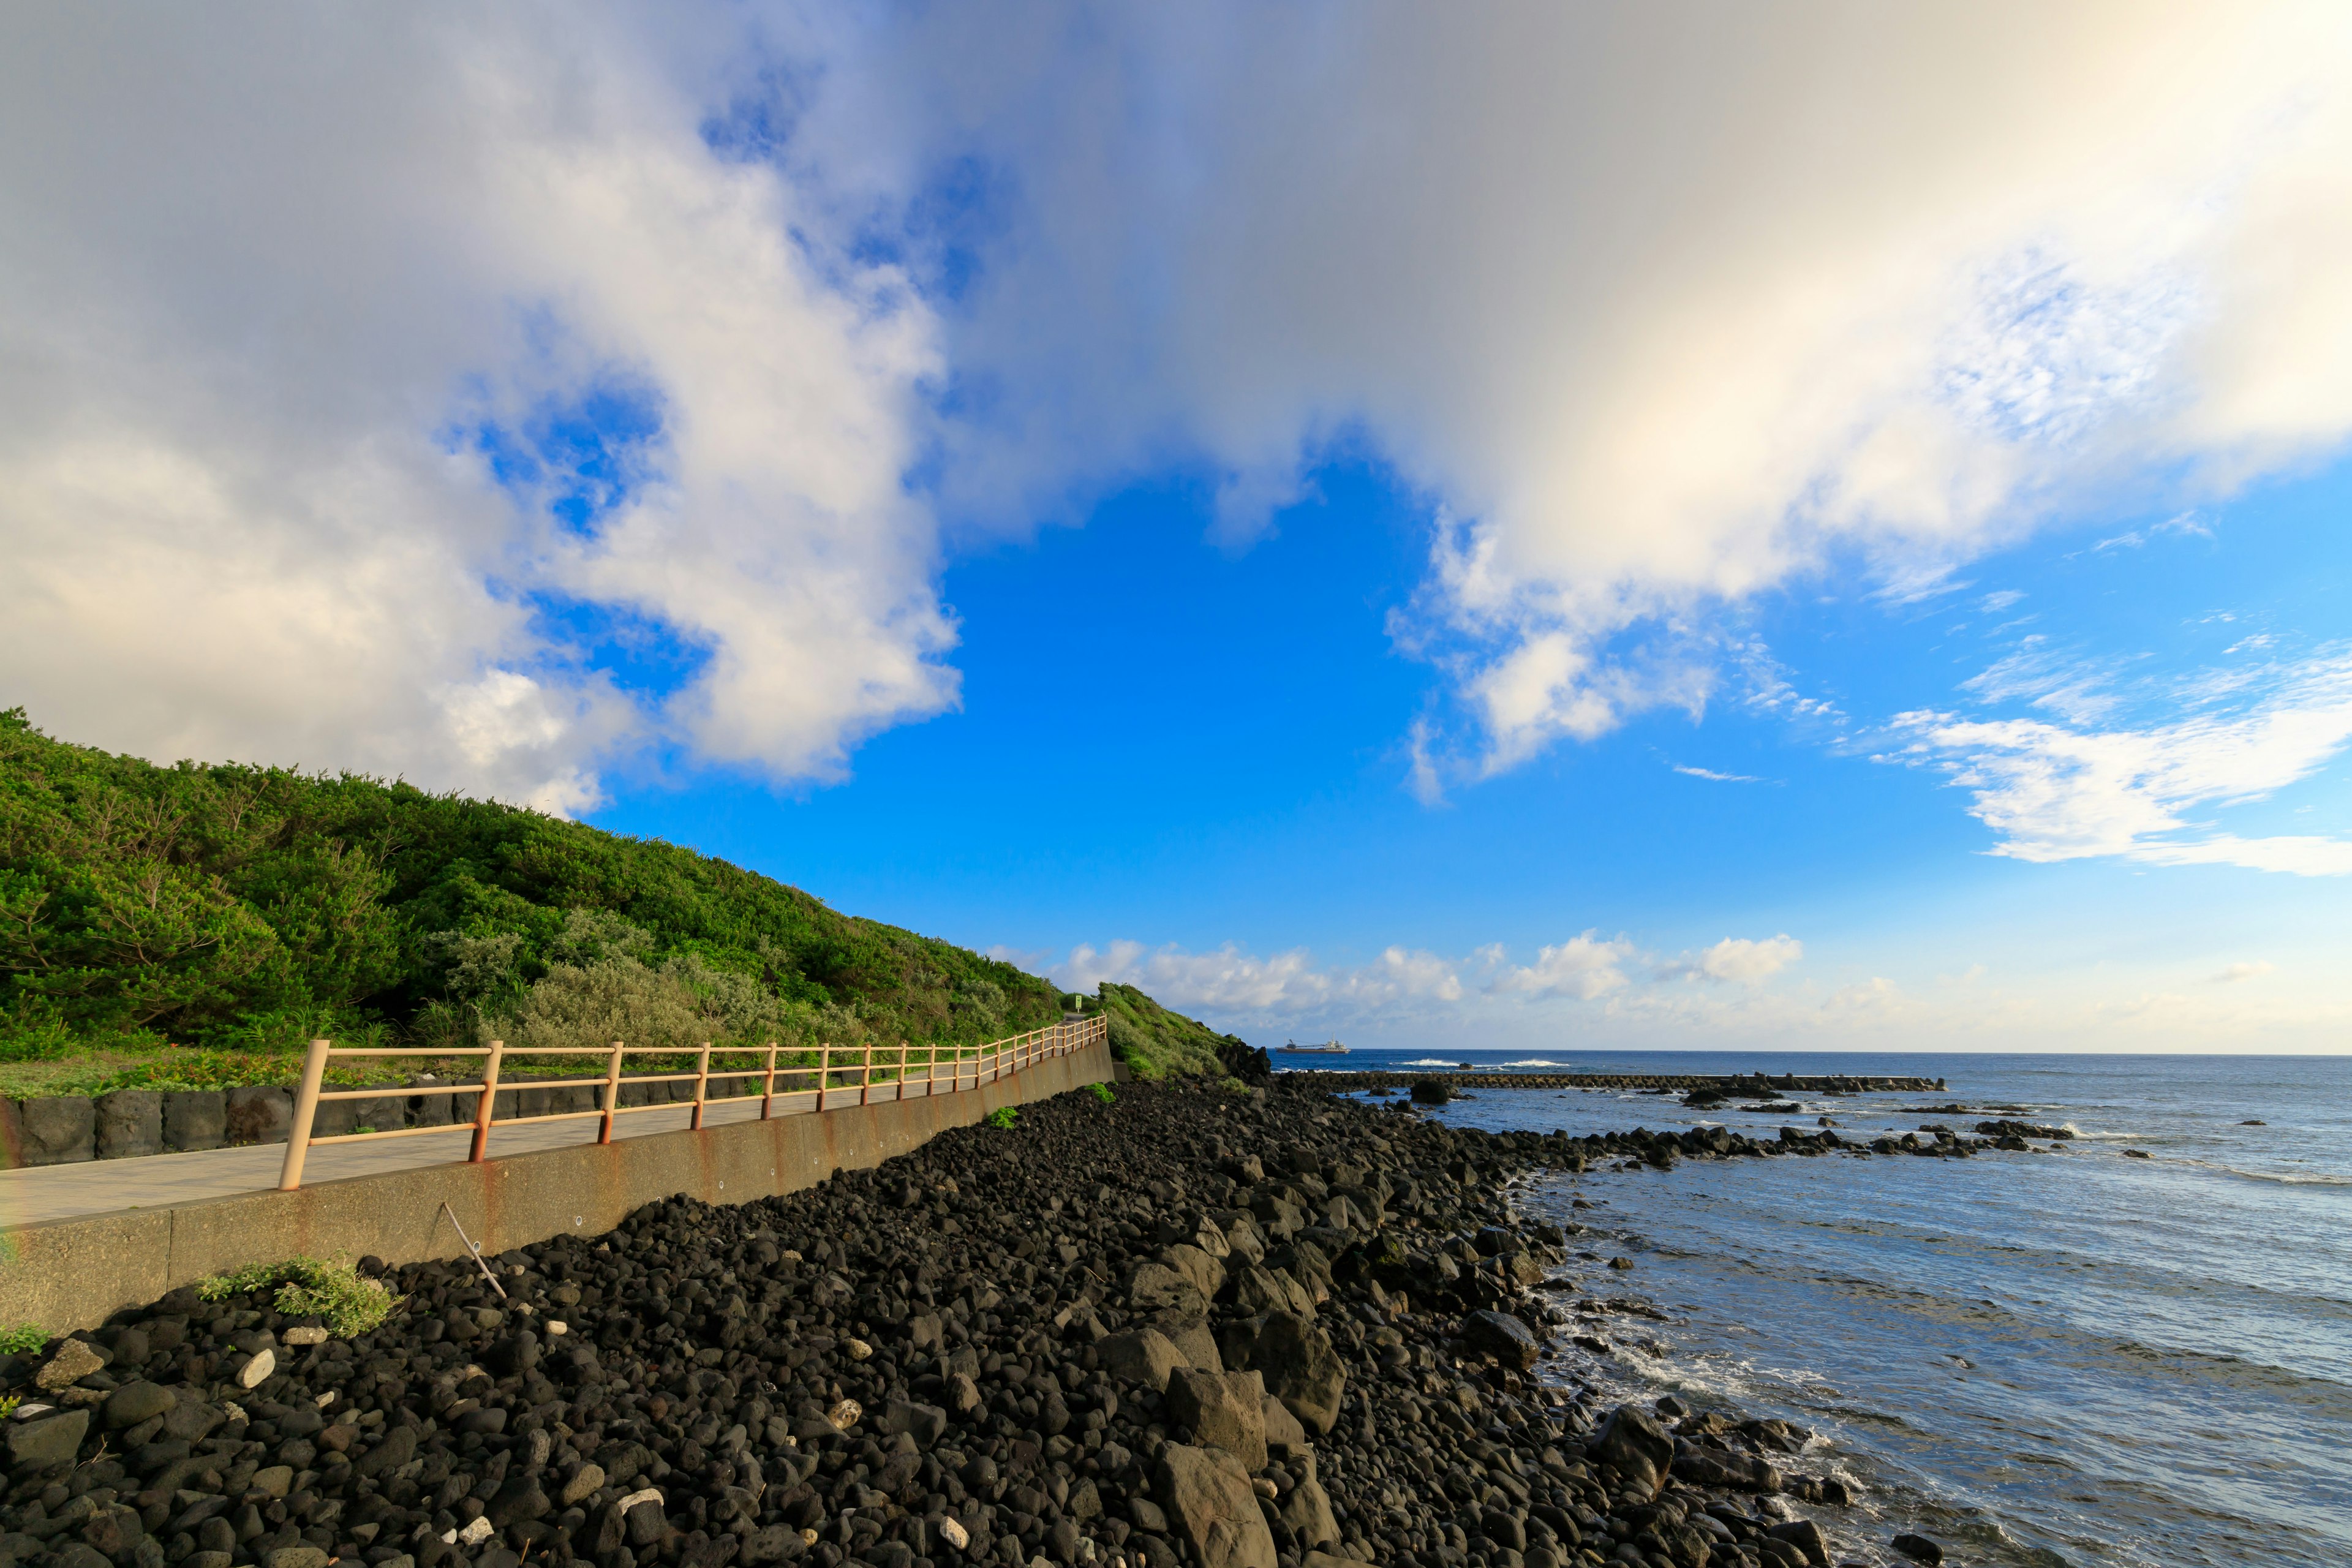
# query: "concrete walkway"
{"type": "Point", "coordinates": [110, 1186]}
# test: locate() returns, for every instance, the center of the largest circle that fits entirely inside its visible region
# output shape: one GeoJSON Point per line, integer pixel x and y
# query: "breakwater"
{"type": "Point", "coordinates": [1752, 1086]}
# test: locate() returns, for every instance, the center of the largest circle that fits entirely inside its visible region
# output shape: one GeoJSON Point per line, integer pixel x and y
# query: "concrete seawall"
{"type": "Point", "coordinates": [73, 1273]}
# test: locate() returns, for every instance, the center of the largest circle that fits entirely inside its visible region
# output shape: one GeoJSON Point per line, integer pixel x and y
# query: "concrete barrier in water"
{"type": "Point", "coordinates": [71, 1274]}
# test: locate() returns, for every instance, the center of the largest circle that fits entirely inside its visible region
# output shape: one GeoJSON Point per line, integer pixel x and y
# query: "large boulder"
{"type": "Point", "coordinates": [256, 1114]}
{"type": "Point", "coordinates": [1222, 1410]}
{"type": "Point", "coordinates": [1204, 1273]}
{"type": "Point", "coordinates": [1155, 1286]}
{"type": "Point", "coordinates": [1302, 1370]}
{"type": "Point", "coordinates": [1504, 1337]}
{"type": "Point", "coordinates": [1195, 1342]}
{"type": "Point", "coordinates": [1632, 1442]}
{"type": "Point", "coordinates": [1241, 1232]}
{"type": "Point", "coordinates": [1307, 1514]}
{"type": "Point", "coordinates": [194, 1119]}
{"type": "Point", "coordinates": [1208, 1499]}
{"type": "Point", "coordinates": [1139, 1355]}
{"type": "Point", "coordinates": [1259, 1290]}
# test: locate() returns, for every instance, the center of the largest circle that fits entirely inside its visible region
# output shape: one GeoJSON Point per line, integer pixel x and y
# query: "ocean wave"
{"type": "Point", "coordinates": [2282, 1178]}
{"type": "Point", "coordinates": [1429, 1062]}
{"type": "Point", "coordinates": [1535, 1062]}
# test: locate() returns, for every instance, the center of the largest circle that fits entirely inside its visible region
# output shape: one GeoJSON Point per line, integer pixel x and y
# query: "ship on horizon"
{"type": "Point", "coordinates": [1327, 1049]}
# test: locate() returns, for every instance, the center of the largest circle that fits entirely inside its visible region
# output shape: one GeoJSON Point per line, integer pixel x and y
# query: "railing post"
{"type": "Point", "coordinates": [306, 1107]}
{"type": "Point", "coordinates": [767, 1094]}
{"type": "Point", "coordinates": [823, 1065]}
{"type": "Point", "coordinates": [612, 1095]}
{"type": "Point", "coordinates": [701, 1084]}
{"type": "Point", "coordinates": [900, 1092]}
{"type": "Point", "coordinates": [482, 1107]}
{"type": "Point", "coordinates": [865, 1073]}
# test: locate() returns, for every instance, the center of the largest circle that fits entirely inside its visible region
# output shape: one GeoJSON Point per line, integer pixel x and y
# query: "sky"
{"type": "Point", "coordinates": [1572, 527]}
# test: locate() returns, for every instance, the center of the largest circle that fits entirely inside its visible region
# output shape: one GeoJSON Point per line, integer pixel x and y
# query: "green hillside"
{"type": "Point", "coordinates": [170, 921]}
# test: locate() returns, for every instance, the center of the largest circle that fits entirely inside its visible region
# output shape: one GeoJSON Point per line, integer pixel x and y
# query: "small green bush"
{"type": "Point", "coordinates": [1003, 1116]}
{"type": "Point", "coordinates": [1102, 1091]}
{"type": "Point", "coordinates": [22, 1339]}
{"type": "Point", "coordinates": [312, 1287]}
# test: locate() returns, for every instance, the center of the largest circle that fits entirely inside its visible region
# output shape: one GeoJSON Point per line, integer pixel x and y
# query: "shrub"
{"type": "Point", "coordinates": [312, 1287]}
{"type": "Point", "coordinates": [22, 1339]}
{"type": "Point", "coordinates": [1003, 1116]}
{"type": "Point", "coordinates": [1102, 1091]}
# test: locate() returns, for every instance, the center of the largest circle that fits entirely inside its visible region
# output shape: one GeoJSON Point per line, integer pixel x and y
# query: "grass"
{"type": "Point", "coordinates": [1102, 1091]}
{"type": "Point", "coordinates": [22, 1339]}
{"type": "Point", "coordinates": [312, 1287]}
{"type": "Point", "coordinates": [1002, 1117]}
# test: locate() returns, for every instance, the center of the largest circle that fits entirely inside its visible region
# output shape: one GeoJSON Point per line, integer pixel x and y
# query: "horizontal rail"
{"type": "Point", "coordinates": [838, 1070]}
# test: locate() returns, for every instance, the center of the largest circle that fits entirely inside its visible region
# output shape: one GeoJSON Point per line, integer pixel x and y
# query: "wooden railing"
{"type": "Point", "coordinates": [912, 1071]}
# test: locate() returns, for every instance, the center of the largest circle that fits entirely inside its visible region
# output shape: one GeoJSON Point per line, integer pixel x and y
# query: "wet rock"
{"type": "Point", "coordinates": [1806, 1537]}
{"type": "Point", "coordinates": [1432, 1092]}
{"type": "Point", "coordinates": [1504, 1337]}
{"type": "Point", "coordinates": [1207, 1497]}
{"type": "Point", "coordinates": [1634, 1444]}
{"type": "Point", "coordinates": [1918, 1548]}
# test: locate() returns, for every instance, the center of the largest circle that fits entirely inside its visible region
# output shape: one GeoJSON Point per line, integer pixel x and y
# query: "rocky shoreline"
{"type": "Point", "coordinates": [1192, 1328]}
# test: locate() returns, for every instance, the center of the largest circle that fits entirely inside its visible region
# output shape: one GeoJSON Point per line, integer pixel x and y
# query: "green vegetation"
{"type": "Point", "coordinates": [193, 927]}
{"type": "Point", "coordinates": [1102, 1092]}
{"type": "Point", "coordinates": [1154, 1042]}
{"type": "Point", "coordinates": [22, 1339]}
{"type": "Point", "coordinates": [312, 1287]}
{"type": "Point", "coordinates": [1002, 1117]}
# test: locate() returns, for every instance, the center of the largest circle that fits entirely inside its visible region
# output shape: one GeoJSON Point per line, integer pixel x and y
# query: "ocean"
{"type": "Point", "coordinates": [2085, 1358]}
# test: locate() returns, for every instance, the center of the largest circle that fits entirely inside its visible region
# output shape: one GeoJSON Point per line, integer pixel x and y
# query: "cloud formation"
{"type": "Point", "coordinates": [1663, 306]}
{"type": "Point", "coordinates": [2054, 792]}
{"type": "Point", "coordinates": [1660, 307]}
{"type": "Point", "coordinates": [304, 321]}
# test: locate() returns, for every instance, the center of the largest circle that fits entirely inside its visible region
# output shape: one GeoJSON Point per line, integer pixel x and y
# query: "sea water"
{"type": "Point", "coordinates": [2085, 1358]}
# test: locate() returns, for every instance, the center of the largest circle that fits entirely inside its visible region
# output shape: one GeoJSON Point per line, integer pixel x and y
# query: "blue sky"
{"type": "Point", "coordinates": [1582, 525]}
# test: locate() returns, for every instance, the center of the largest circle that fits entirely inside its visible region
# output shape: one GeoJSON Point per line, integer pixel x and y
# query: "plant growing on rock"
{"type": "Point", "coordinates": [333, 1290]}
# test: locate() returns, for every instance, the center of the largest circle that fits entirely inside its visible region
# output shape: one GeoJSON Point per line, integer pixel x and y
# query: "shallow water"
{"type": "Point", "coordinates": [2083, 1358]}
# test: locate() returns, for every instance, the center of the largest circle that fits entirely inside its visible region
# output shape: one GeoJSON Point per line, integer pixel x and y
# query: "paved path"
{"type": "Point", "coordinates": [104, 1186]}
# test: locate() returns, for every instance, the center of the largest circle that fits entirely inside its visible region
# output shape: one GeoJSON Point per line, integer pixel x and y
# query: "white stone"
{"type": "Point", "coordinates": [557, 1327]}
{"type": "Point", "coordinates": [952, 1531]}
{"type": "Point", "coordinates": [256, 1373]}
{"type": "Point", "coordinates": [477, 1532]}
{"type": "Point", "coordinates": [649, 1494]}
{"type": "Point", "coordinates": [312, 1335]}
{"type": "Point", "coordinates": [845, 1414]}
{"type": "Point", "coordinates": [860, 1350]}
{"type": "Point", "coordinates": [326, 1399]}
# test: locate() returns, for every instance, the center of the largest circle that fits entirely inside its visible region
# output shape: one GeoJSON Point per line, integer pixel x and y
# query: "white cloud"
{"type": "Point", "coordinates": [1623, 291]}
{"type": "Point", "coordinates": [2252, 970]}
{"type": "Point", "coordinates": [1714, 777]}
{"type": "Point", "coordinates": [1994, 603]}
{"type": "Point", "coordinates": [1231, 981]}
{"type": "Point", "coordinates": [267, 272]}
{"type": "Point", "coordinates": [1620, 288]}
{"type": "Point", "coordinates": [2055, 793]}
{"type": "Point", "coordinates": [1744, 961]}
{"type": "Point", "coordinates": [1584, 967]}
